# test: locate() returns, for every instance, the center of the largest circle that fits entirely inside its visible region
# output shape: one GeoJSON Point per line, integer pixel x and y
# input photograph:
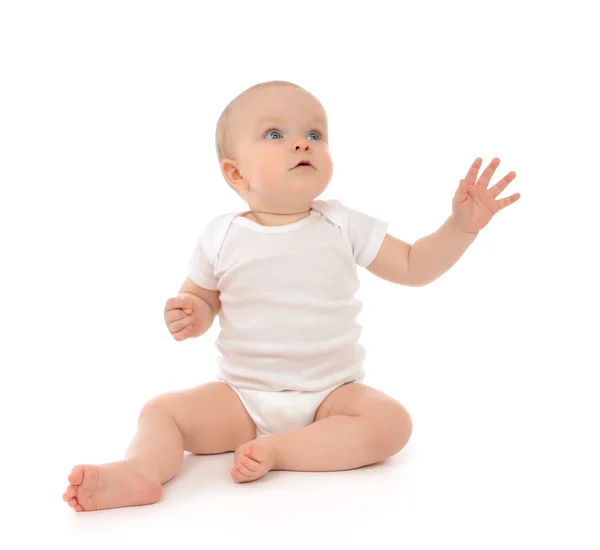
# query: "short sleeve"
{"type": "Point", "coordinates": [201, 265]}
{"type": "Point", "coordinates": [365, 233]}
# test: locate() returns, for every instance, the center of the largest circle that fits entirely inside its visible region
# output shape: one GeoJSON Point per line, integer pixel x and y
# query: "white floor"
{"type": "Point", "coordinates": [474, 475]}
{"type": "Point", "coordinates": [504, 451]}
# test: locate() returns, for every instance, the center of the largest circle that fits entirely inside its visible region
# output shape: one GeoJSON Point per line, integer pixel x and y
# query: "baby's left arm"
{"type": "Point", "coordinates": [473, 206]}
{"type": "Point", "coordinates": [424, 261]}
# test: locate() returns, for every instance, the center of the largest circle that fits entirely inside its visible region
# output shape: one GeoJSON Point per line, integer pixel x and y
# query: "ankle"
{"type": "Point", "coordinates": [144, 469]}
{"type": "Point", "coordinates": [277, 454]}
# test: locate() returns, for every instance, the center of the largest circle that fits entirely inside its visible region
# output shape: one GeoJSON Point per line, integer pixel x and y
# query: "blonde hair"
{"type": "Point", "coordinates": [223, 135]}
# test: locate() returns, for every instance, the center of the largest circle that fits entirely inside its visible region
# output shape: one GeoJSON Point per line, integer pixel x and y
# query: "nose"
{"type": "Point", "coordinates": [301, 144]}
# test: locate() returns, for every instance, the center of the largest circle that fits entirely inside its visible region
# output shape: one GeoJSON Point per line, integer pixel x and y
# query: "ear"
{"type": "Point", "coordinates": [232, 175]}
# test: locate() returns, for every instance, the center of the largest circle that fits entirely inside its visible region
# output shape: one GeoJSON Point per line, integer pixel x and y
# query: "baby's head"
{"type": "Point", "coordinates": [261, 137]}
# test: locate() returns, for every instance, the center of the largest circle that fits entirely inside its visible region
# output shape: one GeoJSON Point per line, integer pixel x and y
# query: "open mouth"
{"type": "Point", "coordinates": [304, 164]}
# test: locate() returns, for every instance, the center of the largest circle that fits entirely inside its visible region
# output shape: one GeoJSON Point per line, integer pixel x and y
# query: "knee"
{"type": "Point", "coordinates": [392, 428]}
{"type": "Point", "coordinates": [161, 404]}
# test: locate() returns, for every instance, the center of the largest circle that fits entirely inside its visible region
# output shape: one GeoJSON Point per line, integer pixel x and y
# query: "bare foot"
{"type": "Point", "coordinates": [253, 460]}
{"type": "Point", "coordinates": [109, 486]}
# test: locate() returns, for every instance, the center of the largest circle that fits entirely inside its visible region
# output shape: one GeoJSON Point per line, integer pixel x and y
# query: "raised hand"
{"type": "Point", "coordinates": [474, 205]}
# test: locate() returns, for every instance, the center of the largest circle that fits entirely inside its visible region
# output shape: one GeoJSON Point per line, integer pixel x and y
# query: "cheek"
{"type": "Point", "coordinates": [327, 162]}
{"type": "Point", "coordinates": [269, 160]}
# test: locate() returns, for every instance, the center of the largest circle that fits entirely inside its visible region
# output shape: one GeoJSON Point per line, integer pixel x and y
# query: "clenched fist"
{"type": "Point", "coordinates": [187, 316]}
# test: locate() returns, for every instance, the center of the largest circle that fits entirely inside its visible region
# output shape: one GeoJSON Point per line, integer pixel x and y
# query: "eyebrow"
{"type": "Point", "coordinates": [264, 120]}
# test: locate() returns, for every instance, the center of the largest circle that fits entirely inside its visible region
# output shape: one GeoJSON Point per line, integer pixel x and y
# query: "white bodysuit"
{"type": "Point", "coordinates": [288, 305]}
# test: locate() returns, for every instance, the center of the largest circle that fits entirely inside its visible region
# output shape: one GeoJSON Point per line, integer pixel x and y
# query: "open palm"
{"type": "Point", "coordinates": [474, 204]}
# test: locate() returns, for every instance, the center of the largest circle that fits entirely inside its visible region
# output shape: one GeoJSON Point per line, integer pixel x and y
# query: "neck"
{"type": "Point", "coordinates": [262, 221]}
{"type": "Point", "coordinates": [280, 213]}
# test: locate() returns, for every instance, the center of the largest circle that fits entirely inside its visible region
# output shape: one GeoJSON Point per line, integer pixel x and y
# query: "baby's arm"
{"type": "Point", "coordinates": [211, 297]}
{"type": "Point", "coordinates": [424, 261]}
{"type": "Point", "coordinates": [202, 310]}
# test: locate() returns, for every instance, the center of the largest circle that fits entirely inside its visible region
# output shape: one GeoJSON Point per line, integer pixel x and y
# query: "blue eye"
{"type": "Point", "coordinates": [271, 132]}
{"type": "Point", "coordinates": [274, 131]}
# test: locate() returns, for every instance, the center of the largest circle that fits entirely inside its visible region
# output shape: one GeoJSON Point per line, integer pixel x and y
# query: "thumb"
{"type": "Point", "coordinates": [461, 192]}
{"type": "Point", "coordinates": [187, 304]}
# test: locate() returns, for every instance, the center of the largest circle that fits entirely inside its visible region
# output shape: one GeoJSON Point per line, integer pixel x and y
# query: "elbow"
{"type": "Point", "coordinates": [406, 281]}
{"type": "Point", "coordinates": [414, 280]}
{"type": "Point", "coordinates": [419, 282]}
{"type": "Point", "coordinates": [409, 278]}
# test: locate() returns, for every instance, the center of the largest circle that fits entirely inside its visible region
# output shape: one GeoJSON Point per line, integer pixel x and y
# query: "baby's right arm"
{"type": "Point", "coordinates": [192, 312]}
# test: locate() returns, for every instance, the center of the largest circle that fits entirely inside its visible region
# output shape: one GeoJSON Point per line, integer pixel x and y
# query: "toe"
{"type": "Point", "coordinates": [249, 450]}
{"type": "Point", "coordinates": [244, 470]}
{"type": "Point", "coordinates": [76, 476]}
{"type": "Point", "coordinates": [239, 476]}
{"type": "Point", "coordinates": [235, 475]}
{"type": "Point", "coordinates": [250, 464]}
{"type": "Point", "coordinates": [258, 453]}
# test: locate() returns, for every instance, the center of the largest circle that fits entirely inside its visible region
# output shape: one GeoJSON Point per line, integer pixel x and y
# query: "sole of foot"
{"type": "Point", "coordinates": [111, 485]}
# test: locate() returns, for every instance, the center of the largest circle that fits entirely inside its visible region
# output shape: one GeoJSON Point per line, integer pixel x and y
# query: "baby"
{"type": "Point", "coordinates": [282, 276]}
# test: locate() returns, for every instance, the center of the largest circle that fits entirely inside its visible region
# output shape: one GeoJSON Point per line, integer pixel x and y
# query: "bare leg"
{"type": "Point", "coordinates": [208, 419]}
{"type": "Point", "coordinates": [154, 456]}
{"type": "Point", "coordinates": [334, 443]}
{"type": "Point", "coordinates": [375, 428]}
{"type": "Point", "coordinates": [156, 450]}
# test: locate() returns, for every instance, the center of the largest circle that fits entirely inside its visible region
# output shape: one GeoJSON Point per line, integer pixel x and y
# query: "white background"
{"type": "Point", "coordinates": [108, 172]}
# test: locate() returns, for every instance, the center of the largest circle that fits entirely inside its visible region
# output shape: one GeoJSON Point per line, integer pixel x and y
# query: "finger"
{"type": "Point", "coordinates": [461, 192]}
{"type": "Point", "coordinates": [183, 334]}
{"type": "Point", "coordinates": [472, 173]}
{"type": "Point", "coordinates": [485, 178]}
{"type": "Point", "coordinates": [179, 302]}
{"type": "Point", "coordinates": [189, 302]}
{"type": "Point", "coordinates": [501, 185]}
{"type": "Point", "coordinates": [182, 323]}
{"type": "Point", "coordinates": [174, 315]}
{"type": "Point", "coordinates": [503, 203]}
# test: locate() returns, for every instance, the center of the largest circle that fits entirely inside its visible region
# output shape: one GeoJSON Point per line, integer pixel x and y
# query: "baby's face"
{"type": "Point", "coordinates": [275, 129]}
